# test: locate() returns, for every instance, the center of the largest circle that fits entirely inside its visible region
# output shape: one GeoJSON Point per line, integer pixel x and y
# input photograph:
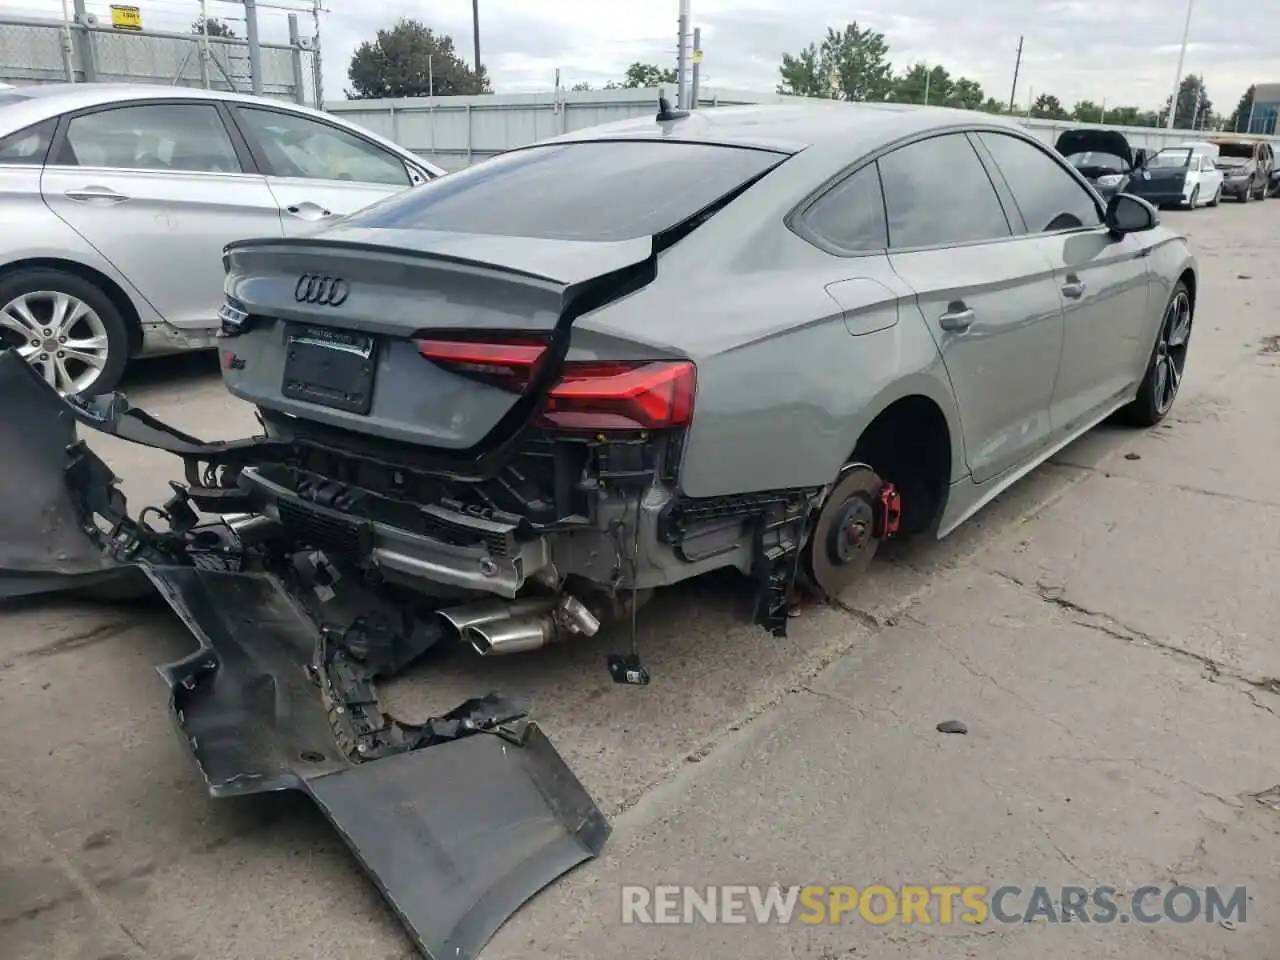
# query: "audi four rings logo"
{"type": "Point", "coordinates": [313, 288]}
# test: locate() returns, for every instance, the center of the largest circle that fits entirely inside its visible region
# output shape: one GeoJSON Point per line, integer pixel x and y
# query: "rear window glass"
{"type": "Point", "coordinates": [613, 190]}
{"type": "Point", "coordinates": [1241, 150]}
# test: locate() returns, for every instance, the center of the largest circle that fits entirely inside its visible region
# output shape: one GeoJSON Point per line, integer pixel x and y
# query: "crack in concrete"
{"type": "Point", "coordinates": [1150, 768]}
{"type": "Point", "coordinates": [986, 677]}
{"type": "Point", "coordinates": [1213, 670]}
{"type": "Point", "coordinates": [1183, 487]}
{"type": "Point", "coordinates": [86, 889]}
{"type": "Point", "coordinates": [1062, 854]}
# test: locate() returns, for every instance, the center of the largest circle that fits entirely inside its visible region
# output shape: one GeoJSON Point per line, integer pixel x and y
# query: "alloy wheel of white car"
{"type": "Point", "coordinates": [65, 339]}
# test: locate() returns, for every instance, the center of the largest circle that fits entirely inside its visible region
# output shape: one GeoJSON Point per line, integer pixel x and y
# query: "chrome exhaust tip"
{"type": "Point", "coordinates": [490, 611]}
{"type": "Point", "coordinates": [510, 635]}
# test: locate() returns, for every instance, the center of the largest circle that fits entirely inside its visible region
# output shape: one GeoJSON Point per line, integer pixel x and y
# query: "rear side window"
{"type": "Point", "coordinates": [851, 215]}
{"type": "Point", "coordinates": [612, 190]}
{"type": "Point", "coordinates": [937, 192]}
{"type": "Point", "coordinates": [27, 146]}
{"type": "Point", "coordinates": [153, 136]}
{"type": "Point", "coordinates": [1048, 197]}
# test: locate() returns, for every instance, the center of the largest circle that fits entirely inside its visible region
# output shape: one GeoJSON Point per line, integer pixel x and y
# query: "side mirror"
{"type": "Point", "coordinates": [1129, 214]}
{"type": "Point", "coordinates": [1139, 158]}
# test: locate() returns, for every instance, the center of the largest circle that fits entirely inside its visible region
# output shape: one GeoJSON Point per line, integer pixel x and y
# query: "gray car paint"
{"type": "Point", "coordinates": [798, 350]}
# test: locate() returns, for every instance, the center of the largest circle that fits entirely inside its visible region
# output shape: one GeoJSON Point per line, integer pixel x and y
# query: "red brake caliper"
{"type": "Point", "coordinates": [889, 512]}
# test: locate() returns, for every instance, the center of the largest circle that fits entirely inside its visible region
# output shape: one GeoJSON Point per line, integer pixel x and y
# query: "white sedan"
{"type": "Point", "coordinates": [116, 202]}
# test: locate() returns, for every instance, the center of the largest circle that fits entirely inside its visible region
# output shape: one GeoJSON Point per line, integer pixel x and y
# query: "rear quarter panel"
{"type": "Point", "coordinates": [788, 411]}
{"type": "Point", "coordinates": [784, 388]}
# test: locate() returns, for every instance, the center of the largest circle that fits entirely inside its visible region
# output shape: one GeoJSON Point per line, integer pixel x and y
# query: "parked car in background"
{"type": "Point", "coordinates": [1185, 175]}
{"type": "Point", "coordinates": [116, 202]}
{"type": "Point", "coordinates": [1247, 164]}
{"type": "Point", "coordinates": [1103, 157]}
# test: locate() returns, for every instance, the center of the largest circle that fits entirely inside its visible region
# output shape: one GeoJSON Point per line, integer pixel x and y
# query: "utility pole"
{"type": "Point", "coordinates": [697, 63]}
{"type": "Point", "coordinates": [475, 31]}
{"type": "Point", "coordinates": [255, 48]}
{"type": "Point", "coordinates": [68, 45]}
{"type": "Point", "coordinates": [317, 67]}
{"type": "Point", "coordinates": [204, 44]}
{"type": "Point", "coordinates": [682, 59]}
{"type": "Point", "coordinates": [1017, 65]}
{"type": "Point", "coordinates": [1177, 80]}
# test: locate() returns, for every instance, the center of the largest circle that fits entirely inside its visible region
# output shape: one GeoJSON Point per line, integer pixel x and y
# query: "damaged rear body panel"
{"type": "Point", "coordinates": [458, 820]}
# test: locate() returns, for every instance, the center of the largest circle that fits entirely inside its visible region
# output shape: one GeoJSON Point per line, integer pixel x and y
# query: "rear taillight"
{"type": "Point", "coordinates": [507, 364]}
{"type": "Point", "coordinates": [622, 396]}
{"type": "Point", "coordinates": [589, 395]}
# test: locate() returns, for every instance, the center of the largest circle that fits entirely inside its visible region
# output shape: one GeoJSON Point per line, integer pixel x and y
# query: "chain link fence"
{"type": "Point", "coordinates": [49, 51]}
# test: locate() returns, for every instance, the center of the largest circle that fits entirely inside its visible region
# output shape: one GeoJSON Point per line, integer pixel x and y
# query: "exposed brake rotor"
{"type": "Point", "coordinates": [851, 524]}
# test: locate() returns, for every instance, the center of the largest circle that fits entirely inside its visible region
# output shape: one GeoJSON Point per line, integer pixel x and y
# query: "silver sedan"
{"type": "Point", "coordinates": [116, 202]}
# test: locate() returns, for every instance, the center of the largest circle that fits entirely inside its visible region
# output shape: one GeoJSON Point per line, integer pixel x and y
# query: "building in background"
{"type": "Point", "coordinates": [1266, 109]}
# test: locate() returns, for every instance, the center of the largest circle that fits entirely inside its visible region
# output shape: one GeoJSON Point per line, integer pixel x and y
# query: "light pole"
{"type": "Point", "coordinates": [475, 31]}
{"type": "Point", "coordinates": [1177, 79]}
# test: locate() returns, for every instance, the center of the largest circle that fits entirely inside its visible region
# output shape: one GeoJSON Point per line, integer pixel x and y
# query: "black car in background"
{"type": "Point", "coordinates": [1103, 157]}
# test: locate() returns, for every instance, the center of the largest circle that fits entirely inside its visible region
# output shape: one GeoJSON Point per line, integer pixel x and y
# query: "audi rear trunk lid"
{"type": "Point", "coordinates": [331, 329]}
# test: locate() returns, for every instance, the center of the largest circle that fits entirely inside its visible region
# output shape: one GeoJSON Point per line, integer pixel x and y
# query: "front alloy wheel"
{"type": "Point", "coordinates": [1160, 385]}
{"type": "Point", "coordinates": [1171, 351]}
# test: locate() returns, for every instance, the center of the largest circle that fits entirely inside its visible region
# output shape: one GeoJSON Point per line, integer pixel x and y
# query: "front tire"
{"type": "Point", "coordinates": [1160, 385]}
{"type": "Point", "coordinates": [67, 328]}
{"type": "Point", "coordinates": [1217, 198]}
{"type": "Point", "coordinates": [1195, 199]}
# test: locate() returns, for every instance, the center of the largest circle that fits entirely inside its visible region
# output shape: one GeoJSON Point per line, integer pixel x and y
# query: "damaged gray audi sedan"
{"type": "Point", "coordinates": [507, 405]}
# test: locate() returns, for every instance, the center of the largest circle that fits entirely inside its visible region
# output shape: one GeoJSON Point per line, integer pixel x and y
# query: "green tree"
{"type": "Point", "coordinates": [923, 84]}
{"type": "Point", "coordinates": [849, 64]}
{"type": "Point", "coordinates": [1048, 107]}
{"type": "Point", "coordinates": [809, 73]}
{"type": "Point", "coordinates": [407, 61]}
{"type": "Point", "coordinates": [1194, 106]}
{"type": "Point", "coordinates": [1239, 120]}
{"type": "Point", "coordinates": [1125, 116]}
{"type": "Point", "coordinates": [647, 75]}
{"type": "Point", "coordinates": [216, 28]}
{"type": "Point", "coordinates": [1086, 111]}
{"type": "Point", "coordinates": [966, 94]}
{"type": "Point", "coordinates": [580, 87]}
{"type": "Point", "coordinates": [992, 105]}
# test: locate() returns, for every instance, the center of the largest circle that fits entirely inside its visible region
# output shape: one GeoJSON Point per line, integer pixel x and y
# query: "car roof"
{"type": "Point", "coordinates": [790, 127]}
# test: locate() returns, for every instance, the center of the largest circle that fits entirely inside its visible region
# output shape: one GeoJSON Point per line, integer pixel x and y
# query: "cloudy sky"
{"type": "Point", "coordinates": [1124, 51]}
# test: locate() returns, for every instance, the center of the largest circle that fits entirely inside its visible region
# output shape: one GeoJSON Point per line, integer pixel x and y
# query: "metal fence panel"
{"type": "Point", "coordinates": [455, 132]}
{"type": "Point", "coordinates": [32, 51]}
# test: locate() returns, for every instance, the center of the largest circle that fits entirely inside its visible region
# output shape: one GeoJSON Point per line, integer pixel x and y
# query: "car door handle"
{"type": "Point", "coordinates": [1073, 289]}
{"type": "Point", "coordinates": [308, 211]}
{"type": "Point", "coordinates": [956, 319]}
{"type": "Point", "coordinates": [85, 194]}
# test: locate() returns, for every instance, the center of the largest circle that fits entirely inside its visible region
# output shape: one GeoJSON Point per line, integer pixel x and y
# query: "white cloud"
{"type": "Point", "coordinates": [1126, 52]}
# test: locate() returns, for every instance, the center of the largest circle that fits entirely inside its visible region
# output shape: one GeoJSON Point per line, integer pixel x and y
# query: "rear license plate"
{"type": "Point", "coordinates": [330, 368]}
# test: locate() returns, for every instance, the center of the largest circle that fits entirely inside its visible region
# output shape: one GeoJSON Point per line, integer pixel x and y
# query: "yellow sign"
{"type": "Point", "coordinates": [697, 56]}
{"type": "Point", "coordinates": [126, 18]}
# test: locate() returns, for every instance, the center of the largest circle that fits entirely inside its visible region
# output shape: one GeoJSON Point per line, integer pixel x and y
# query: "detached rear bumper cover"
{"type": "Point", "coordinates": [458, 821]}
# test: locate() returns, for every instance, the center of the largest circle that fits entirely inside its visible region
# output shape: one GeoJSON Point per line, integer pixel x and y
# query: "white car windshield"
{"type": "Point", "coordinates": [1171, 158]}
{"type": "Point", "coordinates": [1099, 161]}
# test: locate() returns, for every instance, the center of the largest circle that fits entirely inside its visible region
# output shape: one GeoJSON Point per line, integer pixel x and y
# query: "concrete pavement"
{"type": "Point", "coordinates": [1105, 630]}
